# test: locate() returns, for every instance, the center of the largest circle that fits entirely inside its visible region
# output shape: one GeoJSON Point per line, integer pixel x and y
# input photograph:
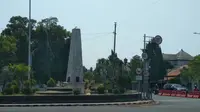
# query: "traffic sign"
{"type": "Point", "coordinates": [138, 71]}
{"type": "Point", "coordinates": [138, 77]}
{"type": "Point", "coordinates": [144, 56]}
{"type": "Point", "coordinates": [146, 73]}
{"type": "Point", "coordinates": [158, 39]}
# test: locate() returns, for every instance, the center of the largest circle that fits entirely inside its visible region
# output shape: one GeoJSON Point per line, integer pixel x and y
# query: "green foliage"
{"type": "Point", "coordinates": [18, 27]}
{"type": "Point", "coordinates": [101, 89]}
{"type": "Point", "coordinates": [175, 80]}
{"type": "Point", "coordinates": [88, 75]}
{"type": "Point", "coordinates": [7, 91]}
{"type": "Point", "coordinates": [116, 91]}
{"type": "Point", "coordinates": [27, 84]}
{"type": "Point", "coordinates": [51, 82]}
{"type": "Point", "coordinates": [35, 89]}
{"type": "Point", "coordinates": [19, 71]}
{"type": "Point", "coordinates": [52, 56]}
{"type": "Point", "coordinates": [158, 69]}
{"type": "Point", "coordinates": [27, 91]}
{"type": "Point", "coordinates": [7, 50]}
{"type": "Point", "coordinates": [192, 72]}
{"type": "Point", "coordinates": [76, 91]}
{"type": "Point", "coordinates": [11, 88]}
{"type": "Point", "coordinates": [15, 89]}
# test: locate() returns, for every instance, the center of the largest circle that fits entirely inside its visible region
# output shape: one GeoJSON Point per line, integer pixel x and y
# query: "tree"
{"type": "Point", "coordinates": [52, 51]}
{"type": "Point", "coordinates": [18, 28]}
{"type": "Point", "coordinates": [5, 76]}
{"type": "Point", "coordinates": [88, 76]}
{"type": "Point", "coordinates": [7, 50]}
{"type": "Point", "coordinates": [19, 73]}
{"type": "Point", "coordinates": [51, 82]}
{"type": "Point", "coordinates": [157, 68]}
{"type": "Point", "coordinates": [192, 73]}
{"type": "Point", "coordinates": [50, 44]}
{"type": "Point", "coordinates": [136, 62]}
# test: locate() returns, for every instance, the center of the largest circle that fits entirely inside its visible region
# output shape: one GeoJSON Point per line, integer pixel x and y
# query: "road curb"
{"type": "Point", "coordinates": [81, 104]}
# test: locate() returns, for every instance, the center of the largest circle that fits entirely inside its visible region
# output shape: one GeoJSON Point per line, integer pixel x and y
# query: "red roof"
{"type": "Point", "coordinates": [174, 73]}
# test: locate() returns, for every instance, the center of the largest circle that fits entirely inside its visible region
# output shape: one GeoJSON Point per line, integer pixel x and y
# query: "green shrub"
{"type": "Point", "coordinates": [14, 82]}
{"type": "Point", "coordinates": [122, 90]}
{"type": "Point", "coordinates": [116, 91]}
{"type": "Point", "coordinates": [101, 89]}
{"type": "Point", "coordinates": [27, 84]}
{"type": "Point", "coordinates": [35, 89]}
{"type": "Point", "coordinates": [109, 90]}
{"type": "Point", "coordinates": [15, 89]}
{"type": "Point", "coordinates": [27, 91]}
{"type": "Point", "coordinates": [7, 91]}
{"type": "Point", "coordinates": [76, 91]}
{"type": "Point", "coordinates": [11, 88]}
{"type": "Point", "coordinates": [51, 82]}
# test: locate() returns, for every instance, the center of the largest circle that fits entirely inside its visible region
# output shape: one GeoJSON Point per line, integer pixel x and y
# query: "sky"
{"type": "Point", "coordinates": [174, 20]}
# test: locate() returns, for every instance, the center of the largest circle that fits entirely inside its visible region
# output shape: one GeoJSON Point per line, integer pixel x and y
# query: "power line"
{"type": "Point", "coordinates": [96, 37]}
{"type": "Point", "coordinates": [96, 33]}
{"type": "Point", "coordinates": [156, 1]}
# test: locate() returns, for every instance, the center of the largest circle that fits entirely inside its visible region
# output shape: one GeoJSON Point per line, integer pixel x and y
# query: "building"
{"type": "Point", "coordinates": [179, 59]}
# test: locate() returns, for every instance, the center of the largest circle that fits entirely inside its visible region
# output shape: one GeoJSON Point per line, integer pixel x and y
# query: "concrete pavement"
{"type": "Point", "coordinates": [167, 104]}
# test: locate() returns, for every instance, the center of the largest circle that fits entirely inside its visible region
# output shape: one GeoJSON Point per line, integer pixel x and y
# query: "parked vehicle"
{"type": "Point", "coordinates": [174, 87]}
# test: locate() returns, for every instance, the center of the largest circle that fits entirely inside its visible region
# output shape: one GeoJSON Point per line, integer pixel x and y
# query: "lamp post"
{"type": "Point", "coordinates": [29, 42]}
{"type": "Point", "coordinates": [196, 33]}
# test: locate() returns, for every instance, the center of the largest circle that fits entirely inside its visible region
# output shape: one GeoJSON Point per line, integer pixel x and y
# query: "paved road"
{"type": "Point", "coordinates": [168, 104]}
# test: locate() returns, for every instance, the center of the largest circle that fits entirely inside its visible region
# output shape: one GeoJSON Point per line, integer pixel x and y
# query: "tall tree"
{"type": "Point", "coordinates": [18, 28]}
{"type": "Point", "coordinates": [7, 50]}
{"type": "Point", "coordinates": [53, 50]}
{"type": "Point", "coordinates": [157, 67]}
{"type": "Point", "coordinates": [192, 73]}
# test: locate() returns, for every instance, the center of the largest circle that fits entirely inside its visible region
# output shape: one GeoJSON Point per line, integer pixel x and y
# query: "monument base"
{"type": "Point", "coordinates": [80, 86]}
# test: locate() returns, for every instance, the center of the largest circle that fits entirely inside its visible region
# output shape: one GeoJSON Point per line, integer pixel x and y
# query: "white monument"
{"type": "Point", "coordinates": [75, 65]}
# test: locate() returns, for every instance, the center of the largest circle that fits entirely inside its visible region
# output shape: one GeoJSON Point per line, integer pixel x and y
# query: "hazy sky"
{"type": "Point", "coordinates": [174, 20]}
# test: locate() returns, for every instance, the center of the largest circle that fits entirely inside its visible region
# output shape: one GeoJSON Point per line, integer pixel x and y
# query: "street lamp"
{"type": "Point", "coordinates": [29, 42]}
{"type": "Point", "coordinates": [196, 33]}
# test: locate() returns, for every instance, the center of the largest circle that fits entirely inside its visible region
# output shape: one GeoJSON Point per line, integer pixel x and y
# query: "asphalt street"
{"type": "Point", "coordinates": [167, 104]}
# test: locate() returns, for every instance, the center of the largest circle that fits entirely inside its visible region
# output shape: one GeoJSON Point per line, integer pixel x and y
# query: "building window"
{"type": "Point", "coordinates": [68, 79]}
{"type": "Point", "coordinates": [77, 79]}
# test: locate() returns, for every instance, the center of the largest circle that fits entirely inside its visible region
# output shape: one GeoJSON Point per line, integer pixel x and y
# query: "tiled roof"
{"type": "Point", "coordinates": [175, 72]}
{"type": "Point", "coordinates": [169, 57]}
{"type": "Point", "coordinates": [181, 55]}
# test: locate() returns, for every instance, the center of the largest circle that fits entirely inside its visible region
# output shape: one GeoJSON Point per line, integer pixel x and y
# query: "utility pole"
{"type": "Point", "coordinates": [29, 42]}
{"type": "Point", "coordinates": [144, 41]}
{"type": "Point", "coordinates": [115, 33]}
{"type": "Point", "coordinates": [114, 50]}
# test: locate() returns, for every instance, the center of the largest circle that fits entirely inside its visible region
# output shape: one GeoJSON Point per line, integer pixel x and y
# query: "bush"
{"type": "Point", "coordinates": [27, 91]}
{"type": "Point", "coordinates": [116, 91]}
{"type": "Point", "coordinates": [15, 89]}
{"type": "Point", "coordinates": [7, 91]}
{"type": "Point", "coordinates": [101, 89]}
{"type": "Point", "coordinates": [51, 82]}
{"type": "Point", "coordinates": [109, 90]}
{"type": "Point", "coordinates": [35, 89]}
{"type": "Point", "coordinates": [122, 90]}
{"type": "Point", "coordinates": [27, 83]}
{"type": "Point", "coordinates": [11, 88]}
{"type": "Point", "coordinates": [76, 91]}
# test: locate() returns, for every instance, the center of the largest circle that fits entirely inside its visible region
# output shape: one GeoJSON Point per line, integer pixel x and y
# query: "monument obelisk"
{"type": "Point", "coordinates": [75, 64]}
